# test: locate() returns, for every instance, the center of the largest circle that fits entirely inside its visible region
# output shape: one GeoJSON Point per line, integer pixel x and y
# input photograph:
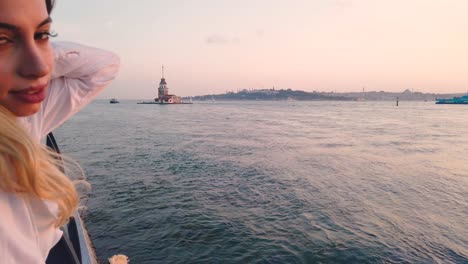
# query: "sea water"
{"type": "Point", "coordinates": [275, 182]}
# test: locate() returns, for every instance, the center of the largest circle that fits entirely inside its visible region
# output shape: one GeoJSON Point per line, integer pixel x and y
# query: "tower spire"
{"type": "Point", "coordinates": [163, 71]}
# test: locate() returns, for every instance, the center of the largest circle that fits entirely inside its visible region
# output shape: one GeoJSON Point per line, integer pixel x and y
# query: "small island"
{"type": "Point", "coordinates": [164, 97]}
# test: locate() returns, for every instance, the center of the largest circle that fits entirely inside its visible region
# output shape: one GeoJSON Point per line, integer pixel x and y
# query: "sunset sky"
{"type": "Point", "coordinates": [214, 46]}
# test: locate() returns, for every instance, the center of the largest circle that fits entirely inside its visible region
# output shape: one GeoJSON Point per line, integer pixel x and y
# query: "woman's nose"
{"type": "Point", "coordinates": [33, 62]}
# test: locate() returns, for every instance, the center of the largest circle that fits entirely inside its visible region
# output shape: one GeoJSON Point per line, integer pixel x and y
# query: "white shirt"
{"type": "Point", "coordinates": [27, 231]}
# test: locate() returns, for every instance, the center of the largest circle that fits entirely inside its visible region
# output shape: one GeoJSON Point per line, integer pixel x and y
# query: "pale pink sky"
{"type": "Point", "coordinates": [211, 46]}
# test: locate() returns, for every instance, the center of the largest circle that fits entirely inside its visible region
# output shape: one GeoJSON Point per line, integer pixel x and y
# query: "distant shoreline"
{"type": "Point", "coordinates": [296, 95]}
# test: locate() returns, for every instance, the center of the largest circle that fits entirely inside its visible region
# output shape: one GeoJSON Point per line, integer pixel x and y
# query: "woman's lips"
{"type": "Point", "coordinates": [32, 95]}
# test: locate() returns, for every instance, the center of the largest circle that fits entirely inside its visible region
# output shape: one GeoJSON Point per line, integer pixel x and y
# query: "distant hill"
{"type": "Point", "coordinates": [288, 94]}
{"type": "Point", "coordinates": [406, 95]}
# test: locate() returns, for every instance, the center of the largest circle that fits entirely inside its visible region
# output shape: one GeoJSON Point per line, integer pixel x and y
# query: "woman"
{"type": "Point", "coordinates": [42, 84]}
{"type": "Point", "coordinates": [35, 196]}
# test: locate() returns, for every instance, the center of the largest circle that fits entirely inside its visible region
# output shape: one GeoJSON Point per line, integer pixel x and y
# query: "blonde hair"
{"type": "Point", "coordinates": [28, 167]}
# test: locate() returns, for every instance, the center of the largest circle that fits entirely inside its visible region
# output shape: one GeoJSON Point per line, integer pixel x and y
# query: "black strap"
{"type": "Point", "coordinates": [67, 250]}
{"type": "Point", "coordinates": [74, 237]}
{"type": "Point", "coordinates": [51, 143]}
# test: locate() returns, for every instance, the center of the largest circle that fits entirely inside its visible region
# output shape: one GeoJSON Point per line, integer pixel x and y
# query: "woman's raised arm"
{"type": "Point", "coordinates": [80, 73]}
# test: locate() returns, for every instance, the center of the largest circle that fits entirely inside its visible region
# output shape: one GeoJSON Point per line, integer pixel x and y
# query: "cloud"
{"type": "Point", "coordinates": [260, 33]}
{"type": "Point", "coordinates": [218, 39]}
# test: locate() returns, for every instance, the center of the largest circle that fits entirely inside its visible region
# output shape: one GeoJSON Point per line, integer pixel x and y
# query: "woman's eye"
{"type": "Point", "coordinates": [44, 35]}
{"type": "Point", "coordinates": [4, 40]}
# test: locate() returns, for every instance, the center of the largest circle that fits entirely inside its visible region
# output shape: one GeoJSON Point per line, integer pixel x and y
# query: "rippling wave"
{"type": "Point", "coordinates": [275, 182]}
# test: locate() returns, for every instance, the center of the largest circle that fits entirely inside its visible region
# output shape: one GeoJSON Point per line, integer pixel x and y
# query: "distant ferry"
{"type": "Point", "coordinates": [454, 100]}
{"type": "Point", "coordinates": [114, 101]}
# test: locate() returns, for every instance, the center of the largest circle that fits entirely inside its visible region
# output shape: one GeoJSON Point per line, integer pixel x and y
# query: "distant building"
{"type": "Point", "coordinates": [163, 93]}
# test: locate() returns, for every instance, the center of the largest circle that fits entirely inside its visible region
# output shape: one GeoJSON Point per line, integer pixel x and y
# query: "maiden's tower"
{"type": "Point", "coordinates": [163, 93]}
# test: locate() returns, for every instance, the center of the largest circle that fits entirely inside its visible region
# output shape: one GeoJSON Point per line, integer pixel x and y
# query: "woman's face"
{"type": "Point", "coordinates": [26, 57]}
